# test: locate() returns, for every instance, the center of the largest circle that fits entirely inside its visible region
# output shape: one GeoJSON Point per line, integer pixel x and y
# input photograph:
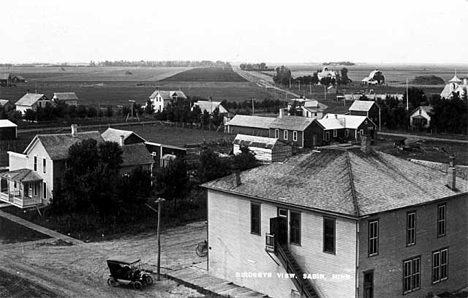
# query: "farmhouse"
{"type": "Point", "coordinates": [294, 130]}
{"type": "Point", "coordinates": [326, 73]}
{"type": "Point", "coordinates": [8, 130]}
{"type": "Point", "coordinates": [342, 128]}
{"type": "Point", "coordinates": [421, 117]}
{"type": "Point", "coordinates": [6, 105]}
{"type": "Point", "coordinates": [266, 150]}
{"type": "Point", "coordinates": [250, 125]}
{"type": "Point", "coordinates": [370, 109]}
{"type": "Point", "coordinates": [160, 99]}
{"type": "Point", "coordinates": [69, 98]}
{"type": "Point", "coordinates": [33, 174]}
{"type": "Point", "coordinates": [455, 85]}
{"type": "Point", "coordinates": [376, 77]}
{"type": "Point", "coordinates": [340, 223]}
{"type": "Point", "coordinates": [5, 79]}
{"type": "Point", "coordinates": [30, 101]}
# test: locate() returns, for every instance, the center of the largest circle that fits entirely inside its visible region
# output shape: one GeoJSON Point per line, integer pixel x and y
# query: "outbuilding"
{"type": "Point", "coordinates": [266, 150]}
{"type": "Point", "coordinates": [8, 130]}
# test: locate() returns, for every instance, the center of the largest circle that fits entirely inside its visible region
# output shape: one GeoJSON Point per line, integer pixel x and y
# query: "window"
{"type": "Point", "coordinates": [44, 191]}
{"type": "Point", "coordinates": [295, 228]}
{"type": "Point", "coordinates": [35, 189]}
{"type": "Point", "coordinates": [35, 163]}
{"type": "Point", "coordinates": [335, 133]}
{"type": "Point", "coordinates": [410, 228]}
{"type": "Point", "coordinates": [285, 134]}
{"type": "Point", "coordinates": [369, 284]}
{"type": "Point", "coordinates": [373, 238]}
{"type": "Point", "coordinates": [346, 132]}
{"type": "Point", "coordinates": [361, 132]}
{"type": "Point", "coordinates": [411, 275]}
{"type": "Point", "coordinates": [283, 212]}
{"type": "Point", "coordinates": [277, 133]}
{"type": "Point", "coordinates": [441, 225]}
{"type": "Point", "coordinates": [327, 136]}
{"type": "Point", "coordinates": [255, 218]}
{"type": "Point", "coordinates": [294, 135]}
{"type": "Point", "coordinates": [329, 235]}
{"type": "Point", "coordinates": [44, 165]}
{"type": "Point", "coordinates": [439, 265]}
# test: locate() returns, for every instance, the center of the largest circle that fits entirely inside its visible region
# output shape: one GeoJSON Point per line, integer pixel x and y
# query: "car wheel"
{"type": "Point", "coordinates": [137, 285]}
{"type": "Point", "coordinates": [148, 279]}
{"type": "Point", "coordinates": [111, 282]}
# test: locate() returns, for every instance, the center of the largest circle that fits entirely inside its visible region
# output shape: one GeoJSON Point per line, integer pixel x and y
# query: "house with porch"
{"type": "Point", "coordinates": [421, 117]}
{"type": "Point", "coordinates": [160, 98]}
{"type": "Point", "coordinates": [340, 223]}
{"type": "Point", "coordinates": [33, 174]}
{"type": "Point", "coordinates": [30, 101]}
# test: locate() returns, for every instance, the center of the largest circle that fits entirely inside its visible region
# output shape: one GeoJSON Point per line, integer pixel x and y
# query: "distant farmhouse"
{"type": "Point", "coordinates": [421, 117]}
{"type": "Point", "coordinates": [340, 223]}
{"type": "Point", "coordinates": [5, 79]}
{"type": "Point", "coordinates": [326, 73]}
{"type": "Point", "coordinates": [160, 99]}
{"type": "Point", "coordinates": [69, 98]}
{"type": "Point", "coordinates": [376, 77]}
{"type": "Point", "coordinates": [455, 85]}
{"type": "Point", "coordinates": [18, 79]}
{"type": "Point", "coordinates": [30, 101]}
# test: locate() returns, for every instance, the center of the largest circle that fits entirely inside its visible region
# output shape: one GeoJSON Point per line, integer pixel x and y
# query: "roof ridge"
{"type": "Point", "coordinates": [351, 182]}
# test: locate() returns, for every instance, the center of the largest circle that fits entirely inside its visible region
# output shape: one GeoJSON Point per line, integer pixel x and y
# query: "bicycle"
{"type": "Point", "coordinates": [202, 249]}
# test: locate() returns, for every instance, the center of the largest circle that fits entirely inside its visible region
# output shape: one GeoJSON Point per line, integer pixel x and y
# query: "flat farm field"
{"type": "Point", "coordinates": [212, 74]}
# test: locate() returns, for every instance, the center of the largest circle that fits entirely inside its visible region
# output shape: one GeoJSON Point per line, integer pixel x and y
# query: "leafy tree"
{"type": "Point", "coordinates": [283, 76]}
{"type": "Point", "coordinates": [344, 79]}
{"type": "Point", "coordinates": [245, 160]}
{"type": "Point", "coordinates": [30, 115]}
{"type": "Point", "coordinates": [149, 109]}
{"type": "Point", "coordinates": [172, 182]}
{"type": "Point", "coordinates": [212, 166]}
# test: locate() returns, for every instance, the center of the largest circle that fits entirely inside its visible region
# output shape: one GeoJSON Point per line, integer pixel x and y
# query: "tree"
{"type": "Point", "coordinates": [344, 77]}
{"type": "Point", "coordinates": [149, 109]}
{"type": "Point", "coordinates": [212, 166]}
{"type": "Point", "coordinates": [172, 181]}
{"type": "Point", "coordinates": [245, 160]}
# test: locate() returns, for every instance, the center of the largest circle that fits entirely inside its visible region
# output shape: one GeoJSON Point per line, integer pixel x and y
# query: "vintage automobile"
{"type": "Point", "coordinates": [127, 270]}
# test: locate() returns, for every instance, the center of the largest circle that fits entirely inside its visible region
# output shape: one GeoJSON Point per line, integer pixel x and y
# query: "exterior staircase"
{"type": "Point", "coordinates": [304, 286]}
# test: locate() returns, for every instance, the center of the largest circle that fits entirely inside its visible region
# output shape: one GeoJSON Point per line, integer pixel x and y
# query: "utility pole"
{"type": "Point", "coordinates": [407, 95]}
{"type": "Point", "coordinates": [159, 201]}
{"type": "Point", "coordinates": [310, 88]}
{"type": "Point", "coordinates": [253, 106]}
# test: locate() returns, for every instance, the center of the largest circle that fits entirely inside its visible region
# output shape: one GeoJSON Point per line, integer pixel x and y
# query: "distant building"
{"type": "Point", "coordinates": [160, 99]}
{"type": "Point", "coordinates": [69, 98]}
{"type": "Point", "coordinates": [266, 150]}
{"type": "Point", "coordinates": [5, 79]}
{"type": "Point", "coordinates": [18, 79]}
{"type": "Point", "coordinates": [162, 154]}
{"type": "Point", "coordinates": [309, 108]}
{"type": "Point", "coordinates": [376, 77]}
{"type": "Point", "coordinates": [326, 73]}
{"type": "Point", "coordinates": [122, 137]}
{"type": "Point", "coordinates": [455, 85]}
{"type": "Point", "coordinates": [210, 106]}
{"type": "Point", "coordinates": [421, 117]}
{"type": "Point", "coordinates": [8, 130]}
{"type": "Point", "coordinates": [30, 101]}
{"type": "Point", "coordinates": [250, 125]}
{"type": "Point", "coordinates": [7, 105]}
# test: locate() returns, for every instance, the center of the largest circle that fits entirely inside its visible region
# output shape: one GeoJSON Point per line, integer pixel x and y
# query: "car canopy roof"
{"type": "Point", "coordinates": [123, 260]}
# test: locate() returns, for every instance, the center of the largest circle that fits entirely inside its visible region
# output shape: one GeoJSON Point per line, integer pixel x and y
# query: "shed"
{"type": "Point", "coordinates": [8, 130]}
{"type": "Point", "coordinates": [69, 98]}
{"type": "Point", "coordinates": [5, 79]}
{"type": "Point", "coordinates": [266, 150]}
{"type": "Point", "coordinates": [421, 117]}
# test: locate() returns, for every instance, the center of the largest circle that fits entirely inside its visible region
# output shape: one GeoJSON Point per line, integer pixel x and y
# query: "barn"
{"type": "Point", "coordinates": [266, 150]}
{"type": "Point", "coordinates": [7, 130]}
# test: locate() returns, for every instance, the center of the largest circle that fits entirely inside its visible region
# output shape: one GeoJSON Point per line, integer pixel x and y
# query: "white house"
{"type": "Point", "coordinates": [210, 106]}
{"type": "Point", "coordinates": [161, 99]}
{"type": "Point", "coordinates": [32, 101]}
{"type": "Point", "coordinates": [421, 117]}
{"type": "Point", "coordinates": [455, 85]}
{"type": "Point", "coordinates": [326, 73]}
{"type": "Point", "coordinates": [375, 77]}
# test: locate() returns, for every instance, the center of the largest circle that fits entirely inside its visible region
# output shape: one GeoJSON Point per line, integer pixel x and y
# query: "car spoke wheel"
{"type": "Point", "coordinates": [148, 279]}
{"type": "Point", "coordinates": [137, 285]}
{"type": "Point", "coordinates": [111, 282]}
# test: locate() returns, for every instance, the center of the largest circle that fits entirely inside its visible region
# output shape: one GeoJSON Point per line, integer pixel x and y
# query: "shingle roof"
{"type": "Point", "coordinates": [254, 141]}
{"type": "Point", "coordinates": [57, 145]}
{"type": "Point", "coordinates": [136, 154]}
{"type": "Point", "coordinates": [168, 94]}
{"type": "Point", "coordinates": [21, 175]}
{"type": "Point", "coordinates": [361, 105]}
{"type": "Point", "coordinates": [292, 123]}
{"type": "Point", "coordinates": [251, 121]}
{"type": "Point", "coordinates": [113, 135]}
{"type": "Point", "coordinates": [65, 96]}
{"type": "Point", "coordinates": [338, 121]}
{"type": "Point", "coordinates": [29, 99]}
{"type": "Point", "coordinates": [210, 106]}
{"type": "Point", "coordinates": [7, 123]}
{"type": "Point", "coordinates": [347, 182]}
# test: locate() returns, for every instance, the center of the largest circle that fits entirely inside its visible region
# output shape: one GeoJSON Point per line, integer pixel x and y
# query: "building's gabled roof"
{"type": "Point", "coordinates": [455, 79]}
{"type": "Point", "coordinates": [64, 96]}
{"type": "Point", "coordinates": [362, 105]}
{"type": "Point", "coordinates": [251, 121]}
{"type": "Point", "coordinates": [4, 76]}
{"type": "Point", "coordinates": [168, 94]}
{"type": "Point", "coordinates": [346, 182]}
{"type": "Point", "coordinates": [338, 121]}
{"type": "Point", "coordinates": [135, 155]}
{"type": "Point", "coordinates": [314, 104]}
{"type": "Point", "coordinates": [7, 123]}
{"type": "Point", "coordinates": [210, 106]}
{"type": "Point", "coordinates": [29, 99]}
{"type": "Point", "coordinates": [57, 145]}
{"type": "Point", "coordinates": [21, 175]}
{"type": "Point", "coordinates": [19, 77]}
{"type": "Point", "coordinates": [257, 142]}
{"type": "Point", "coordinates": [113, 135]}
{"type": "Point", "coordinates": [4, 102]}
{"type": "Point", "coordinates": [292, 123]}
{"type": "Point", "coordinates": [427, 109]}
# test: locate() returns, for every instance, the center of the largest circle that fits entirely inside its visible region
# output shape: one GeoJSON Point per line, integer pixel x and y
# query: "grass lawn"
{"type": "Point", "coordinates": [11, 232]}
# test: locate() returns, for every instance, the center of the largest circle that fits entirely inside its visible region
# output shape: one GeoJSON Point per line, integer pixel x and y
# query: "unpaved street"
{"type": "Point", "coordinates": [54, 268]}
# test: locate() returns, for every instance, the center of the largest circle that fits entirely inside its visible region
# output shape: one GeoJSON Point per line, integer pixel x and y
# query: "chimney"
{"type": "Point", "coordinates": [281, 113]}
{"type": "Point", "coordinates": [365, 144]}
{"type": "Point", "coordinates": [238, 178]}
{"type": "Point", "coordinates": [74, 130]}
{"type": "Point", "coordinates": [121, 141]}
{"type": "Point", "coordinates": [451, 174]}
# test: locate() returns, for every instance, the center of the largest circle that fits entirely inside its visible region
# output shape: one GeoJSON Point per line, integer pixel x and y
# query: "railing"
{"type": "Point", "coordinates": [298, 281]}
{"type": "Point", "coordinates": [19, 201]}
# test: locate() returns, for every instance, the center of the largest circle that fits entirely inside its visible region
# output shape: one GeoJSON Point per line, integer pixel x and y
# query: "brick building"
{"type": "Point", "coordinates": [357, 223]}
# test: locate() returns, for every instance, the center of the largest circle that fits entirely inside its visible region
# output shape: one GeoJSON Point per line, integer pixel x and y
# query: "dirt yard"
{"type": "Point", "coordinates": [56, 268]}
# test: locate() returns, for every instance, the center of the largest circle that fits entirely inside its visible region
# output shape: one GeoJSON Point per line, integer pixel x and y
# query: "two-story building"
{"type": "Point", "coordinates": [370, 109]}
{"type": "Point", "coordinates": [160, 98]}
{"type": "Point", "coordinates": [340, 223]}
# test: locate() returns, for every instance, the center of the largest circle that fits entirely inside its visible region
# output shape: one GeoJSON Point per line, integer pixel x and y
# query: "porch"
{"type": "Point", "coordinates": [21, 188]}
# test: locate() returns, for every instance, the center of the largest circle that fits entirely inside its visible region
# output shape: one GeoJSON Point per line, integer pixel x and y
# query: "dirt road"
{"type": "Point", "coordinates": [55, 268]}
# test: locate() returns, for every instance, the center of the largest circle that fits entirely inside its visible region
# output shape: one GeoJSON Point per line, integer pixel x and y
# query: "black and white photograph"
{"type": "Point", "coordinates": [201, 149]}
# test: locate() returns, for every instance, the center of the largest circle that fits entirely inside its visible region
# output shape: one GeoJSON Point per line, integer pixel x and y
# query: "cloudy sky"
{"type": "Point", "coordinates": [396, 31]}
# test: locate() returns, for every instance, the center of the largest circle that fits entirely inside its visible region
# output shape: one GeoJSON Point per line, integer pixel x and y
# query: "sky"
{"type": "Point", "coordinates": [294, 31]}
